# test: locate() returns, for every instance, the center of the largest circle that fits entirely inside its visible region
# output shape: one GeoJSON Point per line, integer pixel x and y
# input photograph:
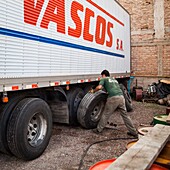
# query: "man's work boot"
{"type": "Point", "coordinates": [131, 134]}
{"type": "Point", "coordinates": [96, 131]}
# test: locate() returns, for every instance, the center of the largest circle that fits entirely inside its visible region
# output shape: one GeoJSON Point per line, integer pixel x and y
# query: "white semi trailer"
{"type": "Point", "coordinates": [51, 53]}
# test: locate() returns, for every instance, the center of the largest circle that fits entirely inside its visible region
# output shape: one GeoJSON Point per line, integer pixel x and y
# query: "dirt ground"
{"type": "Point", "coordinates": [68, 144]}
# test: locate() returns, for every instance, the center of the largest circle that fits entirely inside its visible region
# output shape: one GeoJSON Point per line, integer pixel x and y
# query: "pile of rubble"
{"type": "Point", "coordinates": [163, 92]}
{"type": "Point", "coordinates": [165, 100]}
{"type": "Point", "coordinates": [156, 92]}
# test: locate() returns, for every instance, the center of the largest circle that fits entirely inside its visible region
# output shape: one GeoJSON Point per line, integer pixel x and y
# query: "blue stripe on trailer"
{"type": "Point", "coordinates": [27, 36]}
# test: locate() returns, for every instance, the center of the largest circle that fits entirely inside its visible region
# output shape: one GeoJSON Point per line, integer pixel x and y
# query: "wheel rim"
{"type": "Point", "coordinates": [37, 128]}
{"type": "Point", "coordinates": [97, 111]}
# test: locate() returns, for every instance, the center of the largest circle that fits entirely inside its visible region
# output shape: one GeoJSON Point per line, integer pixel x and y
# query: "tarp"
{"type": "Point", "coordinates": [162, 89]}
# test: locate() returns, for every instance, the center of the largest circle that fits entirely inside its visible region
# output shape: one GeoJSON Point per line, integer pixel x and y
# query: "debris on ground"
{"type": "Point", "coordinates": [155, 93]}
{"type": "Point", "coordinates": [68, 143]}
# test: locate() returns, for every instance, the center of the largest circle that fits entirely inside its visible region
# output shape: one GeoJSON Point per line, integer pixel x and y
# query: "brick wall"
{"type": "Point", "coordinates": [150, 39]}
{"type": "Point", "coordinates": [167, 19]}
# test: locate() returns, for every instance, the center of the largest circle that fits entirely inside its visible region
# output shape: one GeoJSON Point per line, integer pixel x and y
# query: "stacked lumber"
{"type": "Point", "coordinates": [145, 151]}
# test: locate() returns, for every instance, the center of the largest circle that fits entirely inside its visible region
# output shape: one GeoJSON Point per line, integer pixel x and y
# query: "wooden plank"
{"type": "Point", "coordinates": [165, 81]}
{"type": "Point", "coordinates": [144, 152]}
{"type": "Point", "coordinates": [168, 119]}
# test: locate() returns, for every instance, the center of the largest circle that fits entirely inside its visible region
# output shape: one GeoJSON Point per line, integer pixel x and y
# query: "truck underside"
{"type": "Point", "coordinates": [26, 119]}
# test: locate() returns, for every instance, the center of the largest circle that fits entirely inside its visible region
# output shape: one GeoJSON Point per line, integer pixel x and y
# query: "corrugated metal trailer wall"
{"type": "Point", "coordinates": [30, 50]}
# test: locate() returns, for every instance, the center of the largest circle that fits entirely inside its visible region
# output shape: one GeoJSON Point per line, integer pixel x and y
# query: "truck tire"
{"type": "Point", "coordinates": [29, 128]}
{"type": "Point", "coordinates": [5, 112]}
{"type": "Point", "coordinates": [74, 97]}
{"type": "Point", "coordinates": [128, 100]}
{"type": "Point", "coordinates": [91, 108]}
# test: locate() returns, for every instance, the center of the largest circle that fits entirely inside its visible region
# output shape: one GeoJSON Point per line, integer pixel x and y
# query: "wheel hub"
{"type": "Point", "coordinates": [97, 111]}
{"type": "Point", "coordinates": [37, 128]}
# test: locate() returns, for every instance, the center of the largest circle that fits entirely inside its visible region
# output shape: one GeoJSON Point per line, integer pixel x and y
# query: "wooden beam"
{"type": "Point", "coordinates": [144, 152]}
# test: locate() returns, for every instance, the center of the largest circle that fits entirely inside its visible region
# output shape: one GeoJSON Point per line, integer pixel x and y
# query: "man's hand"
{"type": "Point", "coordinates": [99, 87]}
{"type": "Point", "coordinates": [91, 91]}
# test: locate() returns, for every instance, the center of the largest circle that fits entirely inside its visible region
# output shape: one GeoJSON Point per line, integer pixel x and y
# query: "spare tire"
{"type": "Point", "coordinates": [90, 109]}
{"type": "Point", "coordinates": [128, 100]}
